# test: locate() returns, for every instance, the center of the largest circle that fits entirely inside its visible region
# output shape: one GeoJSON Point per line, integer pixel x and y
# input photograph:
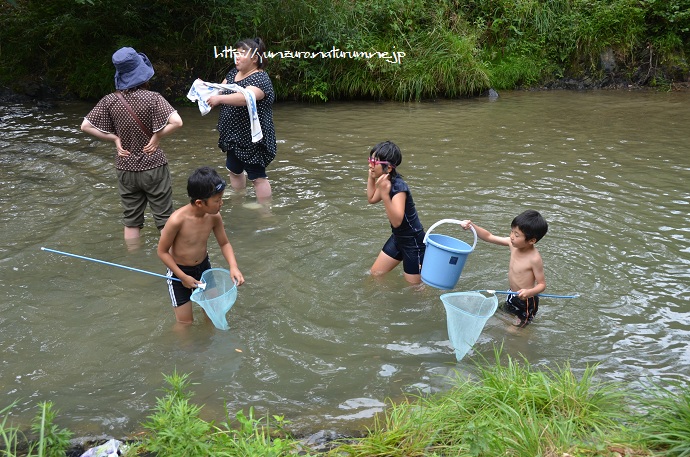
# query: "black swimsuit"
{"type": "Point", "coordinates": [523, 309]}
{"type": "Point", "coordinates": [179, 294]}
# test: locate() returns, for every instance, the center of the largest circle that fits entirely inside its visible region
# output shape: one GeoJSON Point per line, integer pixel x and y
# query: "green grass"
{"type": "Point", "coordinates": [667, 422]}
{"type": "Point", "coordinates": [505, 408]}
{"type": "Point", "coordinates": [509, 409]}
{"type": "Point", "coordinates": [175, 429]}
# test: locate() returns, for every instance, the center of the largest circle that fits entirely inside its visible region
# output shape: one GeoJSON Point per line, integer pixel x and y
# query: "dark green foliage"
{"type": "Point", "coordinates": [451, 48]}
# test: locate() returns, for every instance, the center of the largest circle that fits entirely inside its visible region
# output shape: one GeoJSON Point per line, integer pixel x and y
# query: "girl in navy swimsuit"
{"type": "Point", "coordinates": [406, 243]}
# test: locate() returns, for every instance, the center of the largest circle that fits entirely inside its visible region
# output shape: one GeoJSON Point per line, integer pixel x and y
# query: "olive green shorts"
{"type": "Point", "coordinates": [137, 188]}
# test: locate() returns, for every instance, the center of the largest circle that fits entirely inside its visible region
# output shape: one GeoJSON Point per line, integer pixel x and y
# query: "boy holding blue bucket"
{"type": "Point", "coordinates": [183, 243]}
{"type": "Point", "coordinates": [526, 268]}
{"type": "Point", "coordinates": [406, 244]}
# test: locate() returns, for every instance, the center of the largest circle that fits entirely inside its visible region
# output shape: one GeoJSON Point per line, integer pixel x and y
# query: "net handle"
{"type": "Point", "coordinates": [201, 286]}
{"type": "Point", "coordinates": [510, 292]}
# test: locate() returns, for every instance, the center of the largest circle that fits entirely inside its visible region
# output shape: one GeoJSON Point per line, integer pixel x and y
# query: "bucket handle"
{"type": "Point", "coordinates": [451, 221]}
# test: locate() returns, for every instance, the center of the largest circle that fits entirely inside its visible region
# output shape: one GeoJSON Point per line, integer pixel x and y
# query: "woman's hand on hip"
{"type": "Point", "coordinates": [120, 150]}
{"type": "Point", "coordinates": [152, 145]}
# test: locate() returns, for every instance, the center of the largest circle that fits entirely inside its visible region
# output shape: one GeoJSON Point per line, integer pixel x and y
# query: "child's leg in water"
{"type": "Point", "coordinates": [184, 313]}
{"type": "Point", "coordinates": [383, 264]}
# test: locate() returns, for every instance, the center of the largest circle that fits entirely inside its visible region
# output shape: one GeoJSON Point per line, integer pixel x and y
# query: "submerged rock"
{"type": "Point", "coordinates": [323, 440]}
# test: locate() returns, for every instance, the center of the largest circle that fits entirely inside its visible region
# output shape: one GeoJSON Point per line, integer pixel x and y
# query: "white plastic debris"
{"type": "Point", "coordinates": [109, 449]}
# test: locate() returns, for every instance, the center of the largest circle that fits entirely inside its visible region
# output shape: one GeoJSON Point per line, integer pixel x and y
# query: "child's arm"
{"type": "Point", "coordinates": [164, 244]}
{"type": "Point", "coordinates": [395, 207]}
{"type": "Point", "coordinates": [228, 252]}
{"type": "Point", "coordinates": [486, 235]}
{"type": "Point", "coordinates": [373, 193]}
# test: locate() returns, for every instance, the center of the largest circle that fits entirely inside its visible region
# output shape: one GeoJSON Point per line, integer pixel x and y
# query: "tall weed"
{"type": "Point", "coordinates": [175, 427]}
{"type": "Point", "coordinates": [53, 441]}
{"type": "Point", "coordinates": [249, 436]}
{"type": "Point", "coordinates": [12, 440]}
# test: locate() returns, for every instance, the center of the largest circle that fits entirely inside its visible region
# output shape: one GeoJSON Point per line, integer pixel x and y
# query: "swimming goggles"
{"type": "Point", "coordinates": [375, 162]}
{"type": "Point", "coordinates": [216, 190]}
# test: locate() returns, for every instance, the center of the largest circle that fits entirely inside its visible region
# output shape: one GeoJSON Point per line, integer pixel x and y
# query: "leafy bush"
{"type": "Point", "coordinates": [51, 441]}
{"type": "Point", "coordinates": [452, 48]}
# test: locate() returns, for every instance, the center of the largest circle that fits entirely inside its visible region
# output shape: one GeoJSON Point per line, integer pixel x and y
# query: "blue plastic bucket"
{"type": "Point", "coordinates": [445, 257]}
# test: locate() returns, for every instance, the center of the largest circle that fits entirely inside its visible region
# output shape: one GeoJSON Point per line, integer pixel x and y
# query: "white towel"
{"type": "Point", "coordinates": [201, 91]}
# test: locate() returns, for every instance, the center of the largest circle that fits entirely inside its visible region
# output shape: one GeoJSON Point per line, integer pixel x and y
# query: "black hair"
{"type": "Point", "coordinates": [204, 183]}
{"type": "Point", "coordinates": [531, 224]}
{"type": "Point", "coordinates": [256, 46]}
{"type": "Point", "coordinates": [389, 152]}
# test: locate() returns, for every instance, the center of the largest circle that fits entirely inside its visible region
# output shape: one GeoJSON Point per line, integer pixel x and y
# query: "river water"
{"type": "Point", "coordinates": [313, 336]}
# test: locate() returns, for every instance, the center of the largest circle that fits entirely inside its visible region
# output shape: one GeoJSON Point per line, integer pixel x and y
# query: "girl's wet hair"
{"type": "Point", "coordinates": [255, 46]}
{"type": "Point", "coordinates": [389, 152]}
{"type": "Point", "coordinates": [531, 224]}
{"type": "Point", "coordinates": [204, 183]}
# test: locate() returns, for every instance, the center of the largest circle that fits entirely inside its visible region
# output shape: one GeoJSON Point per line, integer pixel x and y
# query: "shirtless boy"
{"type": "Point", "coordinates": [526, 269]}
{"type": "Point", "coordinates": [183, 243]}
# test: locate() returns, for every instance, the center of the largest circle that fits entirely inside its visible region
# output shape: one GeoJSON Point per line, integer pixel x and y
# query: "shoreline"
{"type": "Point", "coordinates": [45, 96]}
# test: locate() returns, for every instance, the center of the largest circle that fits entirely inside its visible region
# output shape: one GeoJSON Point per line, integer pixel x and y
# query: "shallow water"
{"type": "Point", "coordinates": [313, 336]}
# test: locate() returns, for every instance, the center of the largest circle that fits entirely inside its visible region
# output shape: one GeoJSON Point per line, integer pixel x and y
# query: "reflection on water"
{"type": "Point", "coordinates": [312, 335]}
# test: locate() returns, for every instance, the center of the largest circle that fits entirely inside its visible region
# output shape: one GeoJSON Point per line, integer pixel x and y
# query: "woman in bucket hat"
{"type": "Point", "coordinates": [135, 119]}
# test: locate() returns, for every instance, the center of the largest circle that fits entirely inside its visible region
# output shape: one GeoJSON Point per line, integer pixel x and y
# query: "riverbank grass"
{"type": "Point", "coordinates": [667, 425]}
{"type": "Point", "coordinates": [509, 409]}
{"type": "Point", "coordinates": [506, 408]}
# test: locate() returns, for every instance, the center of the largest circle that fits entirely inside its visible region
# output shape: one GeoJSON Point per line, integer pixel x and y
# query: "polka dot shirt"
{"type": "Point", "coordinates": [233, 122]}
{"type": "Point", "coordinates": [110, 116]}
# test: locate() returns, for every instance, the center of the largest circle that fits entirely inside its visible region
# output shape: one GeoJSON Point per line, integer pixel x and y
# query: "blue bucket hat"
{"type": "Point", "coordinates": [132, 68]}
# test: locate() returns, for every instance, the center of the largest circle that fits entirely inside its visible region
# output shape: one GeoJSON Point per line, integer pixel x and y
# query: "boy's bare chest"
{"type": "Point", "coordinates": [195, 231]}
{"type": "Point", "coordinates": [520, 263]}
